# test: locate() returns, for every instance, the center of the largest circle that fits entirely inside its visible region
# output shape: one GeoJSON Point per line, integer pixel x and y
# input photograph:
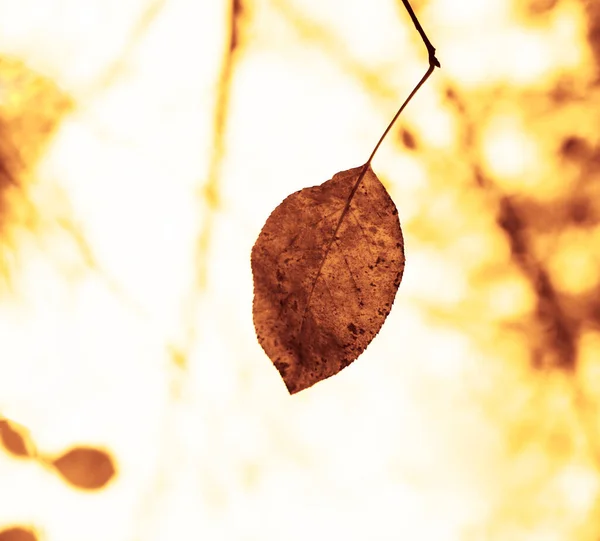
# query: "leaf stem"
{"type": "Point", "coordinates": [433, 63]}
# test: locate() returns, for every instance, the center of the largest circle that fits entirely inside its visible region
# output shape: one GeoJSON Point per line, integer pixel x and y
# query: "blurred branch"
{"type": "Point", "coordinates": [210, 190]}
{"type": "Point", "coordinates": [115, 69]}
{"type": "Point", "coordinates": [556, 338]}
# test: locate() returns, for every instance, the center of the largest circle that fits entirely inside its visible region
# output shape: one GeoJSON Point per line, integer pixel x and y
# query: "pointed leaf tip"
{"type": "Point", "coordinates": [326, 267]}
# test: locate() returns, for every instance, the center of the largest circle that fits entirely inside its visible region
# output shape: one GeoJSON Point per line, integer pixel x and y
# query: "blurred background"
{"type": "Point", "coordinates": [143, 144]}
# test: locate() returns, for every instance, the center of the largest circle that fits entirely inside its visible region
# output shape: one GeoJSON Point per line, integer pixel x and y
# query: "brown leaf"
{"type": "Point", "coordinates": [326, 267]}
{"type": "Point", "coordinates": [86, 467]}
{"type": "Point", "coordinates": [17, 534]}
{"type": "Point", "coordinates": [12, 441]}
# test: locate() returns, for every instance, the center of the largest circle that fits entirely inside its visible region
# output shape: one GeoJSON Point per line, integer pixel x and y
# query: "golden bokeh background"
{"type": "Point", "coordinates": [143, 143]}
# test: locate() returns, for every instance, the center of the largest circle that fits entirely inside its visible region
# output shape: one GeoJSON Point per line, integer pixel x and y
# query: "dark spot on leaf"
{"type": "Point", "coordinates": [281, 367]}
{"type": "Point", "coordinates": [17, 533]}
{"type": "Point", "coordinates": [12, 441]}
{"type": "Point", "coordinates": [86, 467]}
{"type": "Point", "coordinates": [280, 275]}
{"type": "Point", "coordinates": [325, 271]}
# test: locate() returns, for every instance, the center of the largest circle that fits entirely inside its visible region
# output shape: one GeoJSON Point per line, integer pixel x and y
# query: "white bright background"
{"type": "Point", "coordinates": [142, 342]}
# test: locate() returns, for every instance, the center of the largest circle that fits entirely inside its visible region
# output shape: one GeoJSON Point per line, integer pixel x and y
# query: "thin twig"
{"type": "Point", "coordinates": [430, 48]}
{"type": "Point", "coordinates": [433, 63]}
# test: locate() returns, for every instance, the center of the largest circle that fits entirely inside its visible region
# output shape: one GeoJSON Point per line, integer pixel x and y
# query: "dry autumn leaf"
{"type": "Point", "coordinates": [326, 266]}
{"type": "Point", "coordinates": [86, 467]}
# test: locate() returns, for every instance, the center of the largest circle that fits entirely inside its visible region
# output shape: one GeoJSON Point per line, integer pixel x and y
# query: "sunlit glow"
{"type": "Point", "coordinates": [435, 123]}
{"type": "Point", "coordinates": [510, 297]}
{"type": "Point", "coordinates": [574, 263]}
{"type": "Point", "coordinates": [482, 52]}
{"type": "Point", "coordinates": [512, 155]}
